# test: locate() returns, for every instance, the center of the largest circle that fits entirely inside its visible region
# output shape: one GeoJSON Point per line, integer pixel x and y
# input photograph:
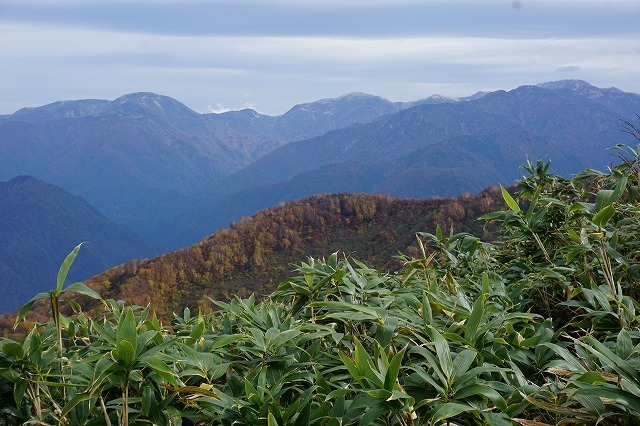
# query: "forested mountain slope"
{"type": "Point", "coordinates": [39, 224]}
{"type": "Point", "coordinates": [428, 150]}
{"type": "Point", "coordinates": [255, 254]}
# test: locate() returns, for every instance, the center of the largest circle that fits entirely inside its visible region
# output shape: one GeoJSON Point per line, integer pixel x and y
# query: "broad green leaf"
{"type": "Point", "coordinates": [27, 306]}
{"type": "Point", "coordinates": [449, 410]}
{"type": "Point", "coordinates": [591, 403]}
{"type": "Point", "coordinates": [196, 333]}
{"type": "Point", "coordinates": [284, 337]}
{"type": "Point", "coordinates": [106, 335]}
{"type": "Point", "coordinates": [513, 205]}
{"type": "Point", "coordinates": [127, 328]}
{"type": "Point", "coordinates": [624, 345]}
{"type": "Point", "coordinates": [301, 289]}
{"type": "Point", "coordinates": [603, 199]}
{"type": "Point", "coordinates": [81, 397]}
{"type": "Point", "coordinates": [378, 393]}
{"type": "Point", "coordinates": [81, 288]}
{"type": "Point", "coordinates": [444, 354]}
{"type": "Point", "coordinates": [502, 419]}
{"type": "Point", "coordinates": [483, 390]}
{"type": "Point", "coordinates": [374, 412]}
{"type": "Point", "coordinates": [606, 356]}
{"type": "Point", "coordinates": [149, 402]}
{"type": "Point", "coordinates": [351, 366]}
{"type": "Point", "coordinates": [619, 189]}
{"type": "Point", "coordinates": [391, 376]}
{"type": "Point", "coordinates": [591, 377]}
{"type": "Point", "coordinates": [160, 368]}
{"type": "Point", "coordinates": [602, 217]}
{"type": "Point", "coordinates": [19, 390]}
{"type": "Point", "coordinates": [427, 314]}
{"type": "Point", "coordinates": [13, 349]}
{"type": "Point", "coordinates": [338, 409]}
{"type": "Point", "coordinates": [321, 382]}
{"type": "Point", "coordinates": [385, 332]}
{"type": "Point", "coordinates": [125, 353]}
{"type": "Point", "coordinates": [625, 398]}
{"type": "Point", "coordinates": [471, 326]}
{"type": "Point", "coordinates": [337, 393]}
{"type": "Point", "coordinates": [64, 268]}
{"type": "Point", "coordinates": [432, 364]}
{"type": "Point", "coordinates": [462, 362]}
{"type": "Point", "coordinates": [228, 339]}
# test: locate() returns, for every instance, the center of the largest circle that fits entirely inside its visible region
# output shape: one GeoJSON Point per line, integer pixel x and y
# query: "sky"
{"type": "Point", "coordinates": [219, 55]}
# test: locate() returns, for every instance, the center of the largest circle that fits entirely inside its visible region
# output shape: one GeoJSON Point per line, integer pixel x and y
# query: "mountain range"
{"type": "Point", "coordinates": [144, 155]}
{"type": "Point", "coordinates": [427, 150]}
{"type": "Point", "coordinates": [172, 176]}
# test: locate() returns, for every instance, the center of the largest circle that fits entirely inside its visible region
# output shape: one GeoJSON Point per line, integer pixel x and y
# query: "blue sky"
{"type": "Point", "coordinates": [216, 55]}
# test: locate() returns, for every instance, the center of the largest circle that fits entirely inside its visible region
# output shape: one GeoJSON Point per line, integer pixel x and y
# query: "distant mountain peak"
{"type": "Point", "coordinates": [355, 95]}
{"type": "Point", "coordinates": [581, 88]}
{"type": "Point", "coordinates": [141, 98]}
{"type": "Point", "coordinates": [21, 179]}
{"type": "Point", "coordinates": [153, 103]}
{"type": "Point", "coordinates": [573, 85]}
{"type": "Point", "coordinates": [347, 97]}
{"type": "Point", "coordinates": [61, 109]}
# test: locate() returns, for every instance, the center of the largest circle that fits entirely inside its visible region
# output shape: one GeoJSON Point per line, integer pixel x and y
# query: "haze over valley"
{"type": "Point", "coordinates": [152, 167]}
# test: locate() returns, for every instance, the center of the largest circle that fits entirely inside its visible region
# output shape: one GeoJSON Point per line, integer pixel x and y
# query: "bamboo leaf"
{"type": "Point", "coordinates": [125, 353]}
{"type": "Point", "coordinates": [609, 358]}
{"type": "Point", "coordinates": [271, 420]}
{"type": "Point", "coordinates": [471, 326]}
{"type": "Point", "coordinates": [449, 410]}
{"type": "Point", "coordinates": [513, 205]}
{"type": "Point", "coordinates": [127, 328]}
{"type": "Point", "coordinates": [149, 403]}
{"type": "Point", "coordinates": [391, 376]}
{"type": "Point", "coordinates": [462, 362]}
{"type": "Point", "coordinates": [19, 390]}
{"type": "Point", "coordinates": [75, 401]}
{"type": "Point", "coordinates": [351, 366]}
{"type": "Point", "coordinates": [27, 306]}
{"type": "Point", "coordinates": [602, 217]}
{"type": "Point", "coordinates": [624, 345]}
{"type": "Point", "coordinates": [196, 333]}
{"type": "Point", "coordinates": [227, 339]}
{"type": "Point", "coordinates": [365, 364]}
{"type": "Point", "coordinates": [622, 397]}
{"type": "Point", "coordinates": [374, 412]}
{"type": "Point", "coordinates": [444, 354]}
{"type": "Point", "coordinates": [81, 288]}
{"type": "Point", "coordinates": [284, 337]}
{"type": "Point", "coordinates": [604, 198]}
{"type": "Point", "coordinates": [64, 268]}
{"type": "Point", "coordinates": [13, 349]}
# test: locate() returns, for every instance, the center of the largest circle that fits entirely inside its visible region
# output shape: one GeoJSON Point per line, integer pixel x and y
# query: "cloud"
{"type": "Point", "coordinates": [568, 68]}
{"type": "Point", "coordinates": [213, 56]}
{"type": "Point", "coordinates": [219, 108]}
{"type": "Point", "coordinates": [334, 18]}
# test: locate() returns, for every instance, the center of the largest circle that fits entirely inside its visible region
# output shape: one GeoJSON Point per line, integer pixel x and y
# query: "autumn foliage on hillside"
{"type": "Point", "coordinates": [255, 253]}
{"type": "Point", "coordinates": [541, 326]}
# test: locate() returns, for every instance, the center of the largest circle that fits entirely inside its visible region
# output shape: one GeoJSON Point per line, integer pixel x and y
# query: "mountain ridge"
{"type": "Point", "coordinates": [144, 160]}
{"type": "Point", "coordinates": [39, 224]}
{"type": "Point", "coordinates": [427, 150]}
